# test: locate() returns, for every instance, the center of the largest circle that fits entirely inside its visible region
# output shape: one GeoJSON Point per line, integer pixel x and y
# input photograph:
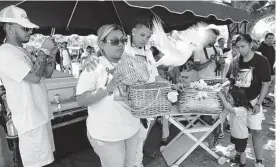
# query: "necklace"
{"type": "Point", "coordinates": [109, 71]}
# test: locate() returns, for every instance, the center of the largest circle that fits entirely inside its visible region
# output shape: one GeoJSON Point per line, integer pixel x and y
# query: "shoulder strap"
{"type": "Point", "coordinates": [215, 50]}
{"type": "Point", "coordinates": [206, 54]}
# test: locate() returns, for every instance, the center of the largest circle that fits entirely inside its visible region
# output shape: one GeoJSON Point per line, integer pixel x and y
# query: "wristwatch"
{"type": "Point", "coordinates": [46, 51]}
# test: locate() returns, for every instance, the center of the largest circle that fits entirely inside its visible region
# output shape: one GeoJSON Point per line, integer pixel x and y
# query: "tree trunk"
{"type": "Point", "coordinates": [257, 10]}
{"type": "Point", "coordinates": [259, 15]}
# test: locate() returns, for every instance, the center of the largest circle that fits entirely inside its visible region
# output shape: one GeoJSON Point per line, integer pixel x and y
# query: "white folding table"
{"type": "Point", "coordinates": [190, 136]}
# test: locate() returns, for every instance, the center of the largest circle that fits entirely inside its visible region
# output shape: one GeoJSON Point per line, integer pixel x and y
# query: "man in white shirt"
{"type": "Point", "coordinates": [88, 52]}
{"type": "Point", "coordinates": [209, 63]}
{"type": "Point", "coordinates": [205, 59]}
{"type": "Point", "coordinates": [66, 59]}
{"type": "Point", "coordinates": [26, 93]}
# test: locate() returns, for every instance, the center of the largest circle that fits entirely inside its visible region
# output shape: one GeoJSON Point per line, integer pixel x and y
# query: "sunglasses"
{"type": "Point", "coordinates": [25, 28]}
{"type": "Point", "coordinates": [116, 41]}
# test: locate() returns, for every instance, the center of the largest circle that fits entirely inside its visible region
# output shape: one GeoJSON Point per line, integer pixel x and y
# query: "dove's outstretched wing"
{"type": "Point", "coordinates": [197, 34]}
{"type": "Point", "coordinates": [168, 46]}
{"type": "Point", "coordinates": [178, 48]}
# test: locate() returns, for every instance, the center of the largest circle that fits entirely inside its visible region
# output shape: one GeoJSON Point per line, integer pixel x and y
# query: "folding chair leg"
{"type": "Point", "coordinates": [192, 122]}
{"type": "Point", "coordinates": [198, 142]}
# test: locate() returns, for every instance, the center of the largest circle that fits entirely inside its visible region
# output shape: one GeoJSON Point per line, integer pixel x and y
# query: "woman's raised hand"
{"type": "Point", "coordinates": [116, 81]}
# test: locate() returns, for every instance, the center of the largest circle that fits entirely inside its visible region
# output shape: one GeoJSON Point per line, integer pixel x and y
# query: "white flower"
{"type": "Point", "coordinates": [172, 96]}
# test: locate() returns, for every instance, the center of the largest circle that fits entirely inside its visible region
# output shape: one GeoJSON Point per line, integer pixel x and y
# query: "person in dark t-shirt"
{"type": "Point", "coordinates": [251, 71]}
{"type": "Point", "coordinates": [267, 50]}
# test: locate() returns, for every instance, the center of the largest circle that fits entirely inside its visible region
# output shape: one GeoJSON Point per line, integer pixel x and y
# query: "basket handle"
{"type": "Point", "coordinates": [137, 110]}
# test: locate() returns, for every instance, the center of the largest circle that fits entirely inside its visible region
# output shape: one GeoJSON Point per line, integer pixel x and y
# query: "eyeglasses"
{"type": "Point", "coordinates": [116, 41]}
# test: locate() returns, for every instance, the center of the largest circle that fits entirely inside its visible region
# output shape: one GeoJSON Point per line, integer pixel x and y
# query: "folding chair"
{"type": "Point", "coordinates": [190, 137]}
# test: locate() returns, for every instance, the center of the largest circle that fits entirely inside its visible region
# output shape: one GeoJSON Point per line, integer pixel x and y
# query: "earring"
{"type": "Point", "coordinates": [11, 32]}
{"type": "Point", "coordinates": [133, 34]}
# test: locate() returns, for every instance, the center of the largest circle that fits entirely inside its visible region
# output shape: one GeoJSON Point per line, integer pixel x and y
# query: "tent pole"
{"type": "Point", "coordinates": [53, 30]}
{"type": "Point", "coordinates": [20, 2]}
{"type": "Point", "coordinates": [118, 15]}
{"type": "Point", "coordinates": [72, 14]}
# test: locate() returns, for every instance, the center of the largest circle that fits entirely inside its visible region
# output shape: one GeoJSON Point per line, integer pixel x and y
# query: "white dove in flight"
{"type": "Point", "coordinates": [180, 47]}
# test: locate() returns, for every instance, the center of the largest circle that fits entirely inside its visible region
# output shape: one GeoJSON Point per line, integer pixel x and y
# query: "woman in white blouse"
{"type": "Point", "coordinates": [111, 129]}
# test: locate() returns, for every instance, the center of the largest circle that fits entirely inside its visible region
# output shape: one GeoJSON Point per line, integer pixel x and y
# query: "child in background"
{"type": "Point", "coordinates": [238, 106]}
{"type": "Point", "coordinates": [188, 74]}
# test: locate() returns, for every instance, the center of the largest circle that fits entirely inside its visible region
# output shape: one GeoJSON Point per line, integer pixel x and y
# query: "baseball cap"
{"type": "Point", "coordinates": [13, 14]}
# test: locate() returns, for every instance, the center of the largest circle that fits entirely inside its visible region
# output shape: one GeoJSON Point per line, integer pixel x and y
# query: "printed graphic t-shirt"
{"type": "Point", "coordinates": [250, 75]}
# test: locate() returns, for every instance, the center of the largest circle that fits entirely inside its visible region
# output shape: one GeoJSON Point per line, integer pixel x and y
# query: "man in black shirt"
{"type": "Point", "coordinates": [251, 71]}
{"type": "Point", "coordinates": [268, 51]}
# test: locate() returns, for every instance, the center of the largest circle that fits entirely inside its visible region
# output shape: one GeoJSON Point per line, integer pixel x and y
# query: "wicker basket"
{"type": "Point", "coordinates": [134, 69]}
{"type": "Point", "coordinates": [213, 81]}
{"type": "Point", "coordinates": [189, 103]}
{"type": "Point", "coordinates": [150, 99]}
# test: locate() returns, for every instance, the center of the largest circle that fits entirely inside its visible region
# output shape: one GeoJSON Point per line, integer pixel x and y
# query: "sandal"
{"type": "Point", "coordinates": [235, 159]}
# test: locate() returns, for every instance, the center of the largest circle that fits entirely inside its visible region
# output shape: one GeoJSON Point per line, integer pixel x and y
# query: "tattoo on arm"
{"type": "Point", "coordinates": [51, 62]}
{"type": "Point", "coordinates": [40, 65]}
{"type": "Point", "coordinates": [50, 66]}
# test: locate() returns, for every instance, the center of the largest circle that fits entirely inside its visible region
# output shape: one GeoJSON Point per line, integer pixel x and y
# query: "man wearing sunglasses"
{"type": "Point", "coordinates": [26, 92]}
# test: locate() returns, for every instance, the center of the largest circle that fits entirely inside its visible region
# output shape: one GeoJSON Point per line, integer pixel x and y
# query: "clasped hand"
{"type": "Point", "coordinates": [256, 109]}
{"type": "Point", "coordinates": [116, 81]}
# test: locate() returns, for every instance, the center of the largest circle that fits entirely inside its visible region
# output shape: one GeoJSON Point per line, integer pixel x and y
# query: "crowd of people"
{"type": "Point", "coordinates": [116, 136]}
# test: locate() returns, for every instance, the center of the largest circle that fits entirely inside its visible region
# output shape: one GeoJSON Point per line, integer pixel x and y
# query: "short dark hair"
{"type": "Point", "coordinates": [215, 31]}
{"type": "Point", "coordinates": [144, 21]}
{"type": "Point", "coordinates": [269, 34]}
{"type": "Point", "coordinates": [220, 39]}
{"type": "Point", "coordinates": [244, 37]}
{"type": "Point", "coordinates": [89, 47]}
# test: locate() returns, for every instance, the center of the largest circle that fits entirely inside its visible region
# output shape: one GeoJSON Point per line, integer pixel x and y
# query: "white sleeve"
{"type": "Point", "coordinates": [87, 82]}
{"type": "Point", "coordinates": [240, 111]}
{"type": "Point", "coordinates": [15, 67]}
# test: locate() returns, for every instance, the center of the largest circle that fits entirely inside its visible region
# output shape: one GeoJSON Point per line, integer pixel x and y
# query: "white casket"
{"type": "Point", "coordinates": [63, 85]}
